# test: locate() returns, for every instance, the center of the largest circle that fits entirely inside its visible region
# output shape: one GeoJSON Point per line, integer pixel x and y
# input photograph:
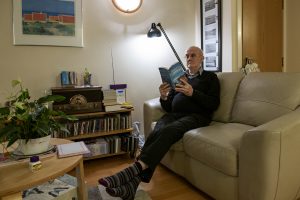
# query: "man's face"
{"type": "Point", "coordinates": [194, 58]}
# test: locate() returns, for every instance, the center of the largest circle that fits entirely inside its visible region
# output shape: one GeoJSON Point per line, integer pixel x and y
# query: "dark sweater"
{"type": "Point", "coordinates": [205, 99]}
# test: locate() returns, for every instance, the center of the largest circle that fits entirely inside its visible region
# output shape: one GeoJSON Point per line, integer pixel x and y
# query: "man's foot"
{"type": "Point", "coordinates": [126, 191]}
{"type": "Point", "coordinates": [121, 177]}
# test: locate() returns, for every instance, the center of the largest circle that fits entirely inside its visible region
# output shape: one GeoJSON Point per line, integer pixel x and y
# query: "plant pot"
{"type": "Point", "coordinates": [34, 146]}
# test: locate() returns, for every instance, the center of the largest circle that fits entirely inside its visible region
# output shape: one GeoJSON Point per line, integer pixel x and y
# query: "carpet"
{"type": "Point", "coordinates": [99, 193]}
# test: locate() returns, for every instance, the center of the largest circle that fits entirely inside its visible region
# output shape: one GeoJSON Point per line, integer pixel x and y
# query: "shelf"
{"type": "Point", "coordinates": [95, 114]}
{"type": "Point", "coordinates": [110, 129]}
{"type": "Point", "coordinates": [105, 155]}
{"type": "Point", "coordinates": [99, 134]}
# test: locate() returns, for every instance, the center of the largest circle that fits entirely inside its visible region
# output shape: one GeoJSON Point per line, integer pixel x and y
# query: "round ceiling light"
{"type": "Point", "coordinates": [127, 6]}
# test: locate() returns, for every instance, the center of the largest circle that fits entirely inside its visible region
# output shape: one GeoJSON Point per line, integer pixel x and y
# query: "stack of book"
{"type": "Point", "coordinates": [68, 78]}
{"type": "Point", "coordinates": [112, 145]}
{"type": "Point", "coordinates": [110, 100]}
{"type": "Point", "coordinates": [109, 97]}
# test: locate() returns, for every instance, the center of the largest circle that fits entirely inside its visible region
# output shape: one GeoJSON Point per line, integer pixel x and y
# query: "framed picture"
{"type": "Point", "coordinates": [47, 22]}
{"type": "Point", "coordinates": [211, 34]}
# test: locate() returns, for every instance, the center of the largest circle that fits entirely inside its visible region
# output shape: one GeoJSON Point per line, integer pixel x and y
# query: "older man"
{"type": "Point", "coordinates": [190, 105]}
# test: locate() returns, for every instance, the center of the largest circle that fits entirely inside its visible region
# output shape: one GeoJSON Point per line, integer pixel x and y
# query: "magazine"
{"type": "Point", "coordinates": [72, 149]}
{"type": "Point", "coordinates": [172, 74]}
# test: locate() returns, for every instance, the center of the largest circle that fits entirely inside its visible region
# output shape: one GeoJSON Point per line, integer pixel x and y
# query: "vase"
{"type": "Point", "coordinates": [34, 146]}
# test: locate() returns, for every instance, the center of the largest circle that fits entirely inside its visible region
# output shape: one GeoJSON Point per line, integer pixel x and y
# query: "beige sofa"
{"type": "Point", "coordinates": [251, 150]}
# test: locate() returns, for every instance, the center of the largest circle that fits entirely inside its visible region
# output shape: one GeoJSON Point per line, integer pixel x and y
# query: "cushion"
{"type": "Point", "coordinates": [264, 96]}
{"type": "Point", "coordinates": [216, 145]}
{"type": "Point", "coordinates": [229, 83]}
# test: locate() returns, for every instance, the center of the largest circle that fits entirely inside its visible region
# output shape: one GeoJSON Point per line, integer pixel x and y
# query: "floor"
{"type": "Point", "coordinates": [165, 185]}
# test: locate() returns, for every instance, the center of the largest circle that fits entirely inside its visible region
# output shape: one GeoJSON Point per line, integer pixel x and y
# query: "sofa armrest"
{"type": "Point", "coordinates": [152, 112]}
{"type": "Point", "coordinates": [269, 160]}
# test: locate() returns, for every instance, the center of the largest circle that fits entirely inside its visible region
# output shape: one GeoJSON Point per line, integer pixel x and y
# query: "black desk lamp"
{"type": "Point", "coordinates": [155, 32]}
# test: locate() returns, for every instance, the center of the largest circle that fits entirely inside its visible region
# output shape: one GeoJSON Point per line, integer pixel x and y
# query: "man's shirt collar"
{"type": "Point", "coordinates": [194, 75]}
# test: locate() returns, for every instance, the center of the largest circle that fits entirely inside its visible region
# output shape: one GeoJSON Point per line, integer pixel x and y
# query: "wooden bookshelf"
{"type": "Point", "coordinates": [104, 133]}
{"type": "Point", "coordinates": [90, 127]}
{"type": "Point", "coordinates": [100, 134]}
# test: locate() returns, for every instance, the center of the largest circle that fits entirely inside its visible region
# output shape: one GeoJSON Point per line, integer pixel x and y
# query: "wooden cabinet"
{"type": "Point", "coordinates": [104, 133]}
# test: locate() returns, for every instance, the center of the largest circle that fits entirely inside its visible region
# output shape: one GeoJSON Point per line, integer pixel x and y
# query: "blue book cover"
{"type": "Point", "coordinates": [172, 74]}
{"type": "Point", "coordinates": [64, 78]}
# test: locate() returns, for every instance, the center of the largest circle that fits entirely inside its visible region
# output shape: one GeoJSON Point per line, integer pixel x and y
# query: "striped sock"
{"type": "Point", "coordinates": [121, 177]}
{"type": "Point", "coordinates": [126, 191]}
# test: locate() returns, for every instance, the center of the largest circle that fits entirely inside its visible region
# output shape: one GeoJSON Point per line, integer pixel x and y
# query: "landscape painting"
{"type": "Point", "coordinates": [48, 17]}
{"type": "Point", "coordinates": [48, 22]}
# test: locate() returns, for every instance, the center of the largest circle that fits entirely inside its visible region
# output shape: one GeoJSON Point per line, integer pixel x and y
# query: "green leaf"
{"type": "Point", "coordinates": [71, 117]}
{"type": "Point", "coordinates": [24, 95]}
{"type": "Point", "coordinates": [4, 111]}
{"type": "Point", "coordinates": [14, 83]}
{"type": "Point", "coordinates": [11, 141]}
{"type": "Point", "coordinates": [19, 105]}
{"type": "Point", "coordinates": [64, 130]}
{"type": "Point", "coordinates": [10, 134]}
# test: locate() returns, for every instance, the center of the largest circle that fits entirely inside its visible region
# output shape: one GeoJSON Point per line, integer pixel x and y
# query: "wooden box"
{"type": "Point", "coordinates": [79, 99]}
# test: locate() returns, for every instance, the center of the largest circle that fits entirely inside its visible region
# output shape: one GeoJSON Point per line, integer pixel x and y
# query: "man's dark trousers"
{"type": "Point", "coordinates": [168, 130]}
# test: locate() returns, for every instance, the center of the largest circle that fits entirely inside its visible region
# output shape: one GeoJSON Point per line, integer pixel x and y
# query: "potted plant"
{"type": "Point", "coordinates": [24, 120]}
{"type": "Point", "coordinates": [87, 77]}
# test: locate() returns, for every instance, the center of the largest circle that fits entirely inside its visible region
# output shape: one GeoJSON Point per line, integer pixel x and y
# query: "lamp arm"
{"type": "Point", "coordinates": [172, 47]}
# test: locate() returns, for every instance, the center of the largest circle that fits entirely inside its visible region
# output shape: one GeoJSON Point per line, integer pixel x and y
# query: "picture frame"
{"type": "Point", "coordinates": [211, 34]}
{"type": "Point", "coordinates": [52, 22]}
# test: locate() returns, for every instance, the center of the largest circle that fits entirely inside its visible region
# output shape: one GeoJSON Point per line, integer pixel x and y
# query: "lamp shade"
{"type": "Point", "coordinates": [127, 6]}
{"type": "Point", "coordinates": [154, 31]}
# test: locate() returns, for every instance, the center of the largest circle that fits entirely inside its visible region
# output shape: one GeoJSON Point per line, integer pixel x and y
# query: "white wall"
{"type": "Point", "coordinates": [136, 57]}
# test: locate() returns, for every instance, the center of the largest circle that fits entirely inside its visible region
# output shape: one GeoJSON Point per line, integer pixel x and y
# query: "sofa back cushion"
{"type": "Point", "coordinates": [264, 96]}
{"type": "Point", "coordinates": [229, 82]}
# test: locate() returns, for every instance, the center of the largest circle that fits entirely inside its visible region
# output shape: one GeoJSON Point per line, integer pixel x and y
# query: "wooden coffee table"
{"type": "Point", "coordinates": [17, 177]}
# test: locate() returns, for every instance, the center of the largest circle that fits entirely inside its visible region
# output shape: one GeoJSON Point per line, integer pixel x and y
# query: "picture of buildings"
{"type": "Point", "coordinates": [53, 17]}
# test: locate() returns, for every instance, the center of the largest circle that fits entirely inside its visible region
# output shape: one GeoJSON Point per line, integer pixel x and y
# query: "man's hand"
{"type": "Point", "coordinates": [164, 90]}
{"type": "Point", "coordinates": [184, 87]}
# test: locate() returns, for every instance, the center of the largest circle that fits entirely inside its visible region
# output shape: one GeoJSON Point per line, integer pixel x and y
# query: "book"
{"type": "Point", "coordinates": [68, 78]}
{"type": "Point", "coordinates": [72, 149]}
{"type": "Point", "coordinates": [172, 74]}
{"type": "Point", "coordinates": [110, 108]}
{"type": "Point", "coordinates": [121, 95]}
{"type": "Point", "coordinates": [64, 78]}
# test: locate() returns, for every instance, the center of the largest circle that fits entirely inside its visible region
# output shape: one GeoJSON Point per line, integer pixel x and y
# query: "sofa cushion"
{"type": "Point", "coordinates": [216, 145]}
{"type": "Point", "coordinates": [265, 96]}
{"type": "Point", "coordinates": [229, 83]}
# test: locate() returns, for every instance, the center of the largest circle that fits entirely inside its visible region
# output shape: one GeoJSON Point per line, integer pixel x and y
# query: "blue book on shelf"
{"type": "Point", "coordinates": [64, 78]}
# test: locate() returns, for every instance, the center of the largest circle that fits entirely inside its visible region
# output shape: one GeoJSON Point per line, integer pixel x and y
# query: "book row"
{"type": "Point", "coordinates": [112, 145]}
{"type": "Point", "coordinates": [94, 125]}
{"type": "Point", "coordinates": [68, 78]}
